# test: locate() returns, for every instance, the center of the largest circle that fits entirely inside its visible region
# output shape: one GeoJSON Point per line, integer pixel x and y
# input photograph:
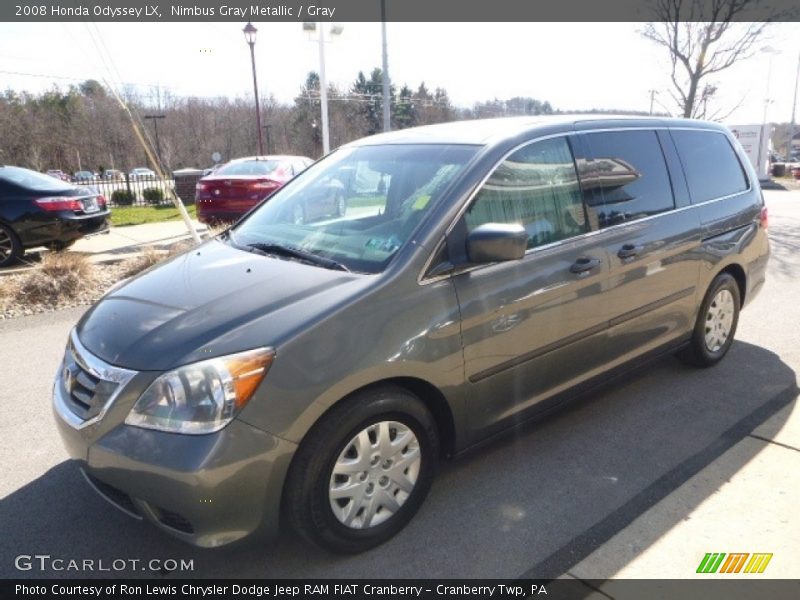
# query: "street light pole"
{"type": "Point", "coordinates": [155, 119]}
{"type": "Point", "coordinates": [772, 52]}
{"type": "Point", "coordinates": [250, 36]}
{"type": "Point", "coordinates": [323, 84]}
{"type": "Point", "coordinates": [387, 120]}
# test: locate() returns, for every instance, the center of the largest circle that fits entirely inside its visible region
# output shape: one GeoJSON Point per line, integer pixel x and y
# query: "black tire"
{"type": "Point", "coordinates": [698, 352]}
{"type": "Point", "coordinates": [10, 246]}
{"type": "Point", "coordinates": [307, 503]}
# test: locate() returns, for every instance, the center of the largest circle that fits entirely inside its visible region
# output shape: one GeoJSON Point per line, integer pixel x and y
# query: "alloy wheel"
{"type": "Point", "coordinates": [6, 245]}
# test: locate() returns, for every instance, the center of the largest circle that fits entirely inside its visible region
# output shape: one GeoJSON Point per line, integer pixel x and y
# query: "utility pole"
{"type": "Point", "coordinates": [155, 119]}
{"type": "Point", "coordinates": [652, 99]}
{"type": "Point", "coordinates": [387, 118]}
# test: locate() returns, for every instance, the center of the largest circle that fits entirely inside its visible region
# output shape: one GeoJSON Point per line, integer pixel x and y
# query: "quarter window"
{"type": "Point", "coordinates": [711, 166]}
{"type": "Point", "coordinates": [630, 175]}
{"type": "Point", "coordinates": [536, 187]}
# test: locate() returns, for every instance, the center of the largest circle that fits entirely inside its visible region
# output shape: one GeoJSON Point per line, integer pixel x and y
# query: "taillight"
{"type": "Point", "coordinates": [264, 184]}
{"type": "Point", "coordinates": [764, 217]}
{"type": "Point", "coordinates": [58, 203]}
{"type": "Point", "coordinates": [201, 186]}
{"type": "Point", "coordinates": [101, 201]}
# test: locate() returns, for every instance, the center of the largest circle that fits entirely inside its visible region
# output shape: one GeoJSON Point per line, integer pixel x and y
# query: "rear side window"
{"type": "Point", "coordinates": [536, 187]}
{"type": "Point", "coordinates": [711, 166]}
{"type": "Point", "coordinates": [631, 176]}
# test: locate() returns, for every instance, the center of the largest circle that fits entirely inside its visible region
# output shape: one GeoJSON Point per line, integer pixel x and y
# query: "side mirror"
{"type": "Point", "coordinates": [496, 242]}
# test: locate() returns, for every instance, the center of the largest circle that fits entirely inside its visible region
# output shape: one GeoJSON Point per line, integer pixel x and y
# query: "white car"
{"type": "Point", "coordinates": [142, 173]}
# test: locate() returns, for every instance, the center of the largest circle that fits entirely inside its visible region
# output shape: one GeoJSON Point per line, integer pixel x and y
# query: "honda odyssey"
{"type": "Point", "coordinates": [314, 370]}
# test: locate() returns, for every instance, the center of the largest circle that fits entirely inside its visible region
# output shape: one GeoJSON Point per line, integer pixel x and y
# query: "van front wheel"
{"type": "Point", "coordinates": [363, 471]}
{"type": "Point", "coordinates": [716, 323]}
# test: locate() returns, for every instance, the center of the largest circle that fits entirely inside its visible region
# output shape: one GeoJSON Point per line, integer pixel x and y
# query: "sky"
{"type": "Point", "coordinates": [572, 65]}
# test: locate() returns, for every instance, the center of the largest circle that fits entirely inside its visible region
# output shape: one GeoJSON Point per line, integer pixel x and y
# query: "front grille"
{"type": "Point", "coordinates": [87, 394]}
{"type": "Point", "coordinates": [117, 497]}
{"type": "Point", "coordinates": [87, 385]}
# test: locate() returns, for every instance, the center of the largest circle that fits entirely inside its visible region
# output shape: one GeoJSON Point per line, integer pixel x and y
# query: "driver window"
{"type": "Point", "coordinates": [536, 187]}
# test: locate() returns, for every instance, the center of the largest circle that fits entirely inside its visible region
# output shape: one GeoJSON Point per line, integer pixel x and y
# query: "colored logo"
{"type": "Point", "coordinates": [719, 562]}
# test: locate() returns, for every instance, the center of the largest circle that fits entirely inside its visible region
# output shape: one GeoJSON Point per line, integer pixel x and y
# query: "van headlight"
{"type": "Point", "coordinates": [202, 397]}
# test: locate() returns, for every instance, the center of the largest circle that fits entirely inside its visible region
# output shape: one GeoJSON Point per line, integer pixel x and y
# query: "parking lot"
{"type": "Point", "coordinates": [639, 479]}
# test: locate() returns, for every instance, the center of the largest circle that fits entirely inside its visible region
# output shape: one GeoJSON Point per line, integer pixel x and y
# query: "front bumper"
{"type": "Point", "coordinates": [208, 490]}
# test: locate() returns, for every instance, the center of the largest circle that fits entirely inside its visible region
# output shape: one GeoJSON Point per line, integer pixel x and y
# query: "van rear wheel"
{"type": "Point", "coordinates": [716, 323]}
{"type": "Point", "coordinates": [363, 471]}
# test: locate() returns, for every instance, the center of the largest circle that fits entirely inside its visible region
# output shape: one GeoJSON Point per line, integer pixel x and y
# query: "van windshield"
{"type": "Point", "coordinates": [356, 208]}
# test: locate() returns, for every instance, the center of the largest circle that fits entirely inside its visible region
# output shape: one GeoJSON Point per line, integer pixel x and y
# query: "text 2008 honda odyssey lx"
{"type": "Point", "coordinates": [315, 368]}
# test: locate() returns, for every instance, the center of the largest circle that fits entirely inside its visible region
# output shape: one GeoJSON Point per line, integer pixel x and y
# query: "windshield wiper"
{"type": "Point", "coordinates": [291, 252]}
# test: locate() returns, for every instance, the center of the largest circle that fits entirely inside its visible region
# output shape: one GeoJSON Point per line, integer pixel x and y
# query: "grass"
{"type": "Point", "coordinates": [122, 216]}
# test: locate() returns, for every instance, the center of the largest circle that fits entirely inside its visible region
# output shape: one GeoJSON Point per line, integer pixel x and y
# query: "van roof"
{"type": "Point", "coordinates": [485, 131]}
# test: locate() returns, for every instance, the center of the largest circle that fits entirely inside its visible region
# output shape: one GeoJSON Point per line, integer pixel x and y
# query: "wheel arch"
{"type": "Point", "coordinates": [737, 272]}
{"type": "Point", "coordinates": [433, 399]}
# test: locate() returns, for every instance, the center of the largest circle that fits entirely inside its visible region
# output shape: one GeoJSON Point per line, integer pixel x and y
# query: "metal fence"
{"type": "Point", "coordinates": [130, 190]}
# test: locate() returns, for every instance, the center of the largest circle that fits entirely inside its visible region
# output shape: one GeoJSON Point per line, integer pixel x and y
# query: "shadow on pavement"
{"type": "Point", "coordinates": [532, 504]}
{"type": "Point", "coordinates": [784, 246]}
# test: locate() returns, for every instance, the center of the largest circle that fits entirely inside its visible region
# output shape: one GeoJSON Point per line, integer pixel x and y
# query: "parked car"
{"type": "Point", "coordinates": [113, 175]}
{"type": "Point", "coordinates": [141, 173]}
{"type": "Point", "coordinates": [38, 210]}
{"type": "Point", "coordinates": [316, 372]}
{"type": "Point", "coordinates": [58, 174]}
{"type": "Point", "coordinates": [234, 188]}
{"type": "Point", "coordinates": [84, 176]}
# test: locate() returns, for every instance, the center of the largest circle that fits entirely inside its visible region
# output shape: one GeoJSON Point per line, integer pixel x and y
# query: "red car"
{"type": "Point", "coordinates": [236, 187]}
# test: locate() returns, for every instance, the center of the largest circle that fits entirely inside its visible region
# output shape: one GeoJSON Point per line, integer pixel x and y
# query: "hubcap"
{"type": "Point", "coordinates": [374, 475]}
{"type": "Point", "coordinates": [719, 320]}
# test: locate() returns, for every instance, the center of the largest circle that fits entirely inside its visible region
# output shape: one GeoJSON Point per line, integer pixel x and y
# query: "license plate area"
{"type": "Point", "coordinates": [90, 205]}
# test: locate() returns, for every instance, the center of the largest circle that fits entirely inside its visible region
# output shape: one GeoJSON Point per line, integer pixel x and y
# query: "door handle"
{"type": "Point", "coordinates": [628, 251]}
{"type": "Point", "coordinates": [585, 264]}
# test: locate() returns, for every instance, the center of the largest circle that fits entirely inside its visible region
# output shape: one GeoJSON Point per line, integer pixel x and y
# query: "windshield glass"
{"type": "Point", "coordinates": [31, 179]}
{"type": "Point", "coordinates": [248, 167]}
{"type": "Point", "coordinates": [358, 206]}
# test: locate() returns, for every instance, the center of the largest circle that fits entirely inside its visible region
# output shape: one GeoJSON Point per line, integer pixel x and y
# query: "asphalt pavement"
{"type": "Point", "coordinates": [639, 479]}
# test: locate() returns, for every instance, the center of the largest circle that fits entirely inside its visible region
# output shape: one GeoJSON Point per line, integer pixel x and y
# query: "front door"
{"type": "Point", "coordinates": [535, 326]}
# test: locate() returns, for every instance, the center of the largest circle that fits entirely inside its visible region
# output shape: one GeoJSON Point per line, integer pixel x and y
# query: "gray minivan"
{"type": "Point", "coordinates": [316, 370]}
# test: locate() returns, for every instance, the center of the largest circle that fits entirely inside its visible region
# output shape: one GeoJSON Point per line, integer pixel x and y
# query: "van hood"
{"type": "Point", "coordinates": [211, 301]}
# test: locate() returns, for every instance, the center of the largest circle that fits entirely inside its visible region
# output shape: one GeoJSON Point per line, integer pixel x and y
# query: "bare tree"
{"type": "Point", "coordinates": [703, 38]}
